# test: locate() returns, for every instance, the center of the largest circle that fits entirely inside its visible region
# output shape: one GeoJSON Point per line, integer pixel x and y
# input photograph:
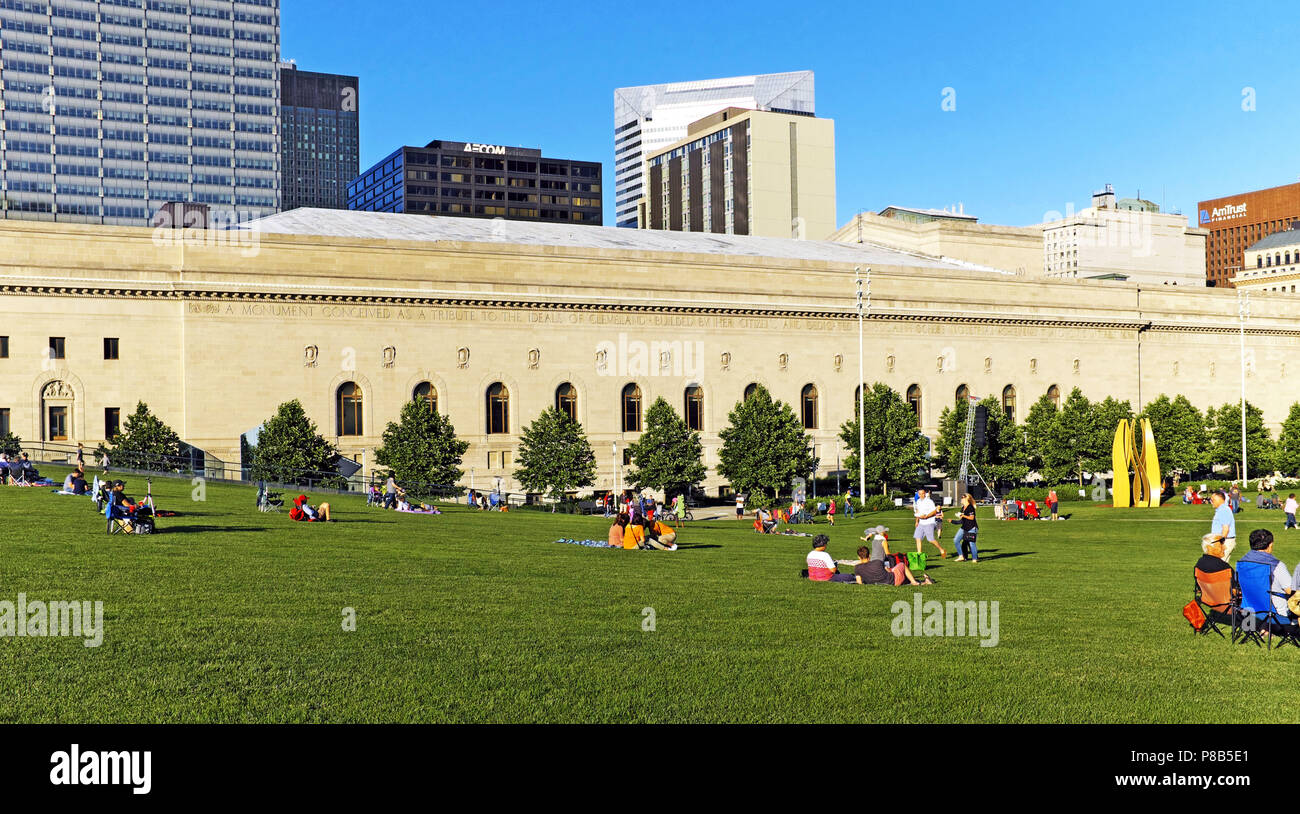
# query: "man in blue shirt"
{"type": "Point", "coordinates": [1224, 524]}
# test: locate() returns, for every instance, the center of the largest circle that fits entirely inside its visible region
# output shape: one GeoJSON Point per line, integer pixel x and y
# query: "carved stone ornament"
{"type": "Point", "coordinates": [938, 364]}
{"type": "Point", "coordinates": [57, 390]}
{"type": "Point", "coordinates": [462, 358]}
{"type": "Point", "coordinates": [310, 355]}
{"type": "Point", "coordinates": [602, 360]}
{"type": "Point", "coordinates": [726, 361]}
{"type": "Point", "coordinates": [988, 364]}
{"type": "Point", "coordinates": [534, 358]}
{"type": "Point", "coordinates": [665, 360]}
{"type": "Point", "coordinates": [390, 356]}
{"type": "Point", "coordinates": [1176, 368]}
{"type": "Point", "coordinates": [783, 360]}
{"type": "Point", "coordinates": [889, 363]}
{"type": "Point", "coordinates": [1076, 367]}
{"type": "Point", "coordinates": [839, 362]}
{"type": "Point", "coordinates": [1033, 365]}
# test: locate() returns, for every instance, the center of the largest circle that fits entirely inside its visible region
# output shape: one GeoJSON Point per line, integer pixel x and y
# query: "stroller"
{"type": "Point", "coordinates": [374, 497]}
{"type": "Point", "coordinates": [268, 501]}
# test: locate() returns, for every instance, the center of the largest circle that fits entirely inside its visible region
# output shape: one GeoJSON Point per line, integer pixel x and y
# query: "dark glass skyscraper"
{"type": "Point", "coordinates": [320, 137]}
{"type": "Point", "coordinates": [481, 181]}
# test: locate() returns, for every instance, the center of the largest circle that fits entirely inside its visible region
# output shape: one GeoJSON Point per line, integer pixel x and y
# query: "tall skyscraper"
{"type": "Point", "coordinates": [649, 117]}
{"type": "Point", "coordinates": [319, 136]}
{"type": "Point", "coordinates": [114, 108]}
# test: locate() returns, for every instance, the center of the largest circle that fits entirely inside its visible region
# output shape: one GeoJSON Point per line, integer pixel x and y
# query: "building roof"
{"type": "Point", "coordinates": [1286, 237]}
{"type": "Point", "coordinates": [433, 228]}
{"type": "Point", "coordinates": [946, 214]}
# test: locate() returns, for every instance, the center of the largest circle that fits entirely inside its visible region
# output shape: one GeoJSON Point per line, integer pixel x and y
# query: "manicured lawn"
{"type": "Point", "coordinates": [230, 615]}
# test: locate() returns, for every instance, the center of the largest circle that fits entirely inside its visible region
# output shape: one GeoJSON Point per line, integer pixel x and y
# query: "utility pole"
{"type": "Point", "coordinates": [1243, 313]}
{"type": "Point", "coordinates": [863, 307]}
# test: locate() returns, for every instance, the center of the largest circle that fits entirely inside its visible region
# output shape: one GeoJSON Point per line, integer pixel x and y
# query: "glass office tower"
{"type": "Point", "coordinates": [114, 108]}
{"type": "Point", "coordinates": [320, 137]}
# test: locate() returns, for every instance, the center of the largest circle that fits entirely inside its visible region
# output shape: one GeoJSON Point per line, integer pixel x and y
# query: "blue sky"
{"type": "Point", "coordinates": [1051, 103]}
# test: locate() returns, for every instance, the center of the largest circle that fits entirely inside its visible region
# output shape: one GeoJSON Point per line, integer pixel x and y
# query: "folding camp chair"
{"type": "Point", "coordinates": [116, 524]}
{"type": "Point", "coordinates": [268, 501]}
{"type": "Point", "coordinates": [1258, 617]}
{"type": "Point", "coordinates": [1219, 598]}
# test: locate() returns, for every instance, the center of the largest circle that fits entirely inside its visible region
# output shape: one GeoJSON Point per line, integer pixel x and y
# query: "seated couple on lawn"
{"type": "Point", "coordinates": [642, 533]}
{"type": "Point", "coordinates": [874, 566]}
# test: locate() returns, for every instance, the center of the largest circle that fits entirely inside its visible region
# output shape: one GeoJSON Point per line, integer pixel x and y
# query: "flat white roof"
{"type": "Point", "coordinates": [433, 228]}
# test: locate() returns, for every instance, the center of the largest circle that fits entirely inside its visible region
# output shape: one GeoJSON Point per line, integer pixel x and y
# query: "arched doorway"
{"type": "Point", "coordinates": [56, 411]}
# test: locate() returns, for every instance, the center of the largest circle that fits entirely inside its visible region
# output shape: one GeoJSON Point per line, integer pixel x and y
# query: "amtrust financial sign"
{"type": "Point", "coordinates": [1222, 213]}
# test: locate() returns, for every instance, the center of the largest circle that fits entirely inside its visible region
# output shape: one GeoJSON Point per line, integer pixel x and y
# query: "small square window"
{"type": "Point", "coordinates": [57, 347]}
{"type": "Point", "coordinates": [110, 347]}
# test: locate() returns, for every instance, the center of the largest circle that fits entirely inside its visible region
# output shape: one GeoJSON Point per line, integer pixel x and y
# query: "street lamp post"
{"type": "Point", "coordinates": [614, 451]}
{"type": "Point", "coordinates": [1243, 313]}
{"type": "Point", "coordinates": [863, 307]}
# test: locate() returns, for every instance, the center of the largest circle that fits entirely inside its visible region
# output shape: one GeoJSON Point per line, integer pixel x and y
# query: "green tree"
{"type": "Point", "coordinates": [1225, 439]}
{"type": "Point", "coordinates": [1182, 442]}
{"type": "Point", "coordinates": [1287, 458]}
{"type": "Point", "coordinates": [893, 444]}
{"type": "Point", "coordinates": [764, 446]}
{"type": "Point", "coordinates": [144, 442]}
{"type": "Point", "coordinates": [554, 455]}
{"type": "Point", "coordinates": [1041, 424]}
{"type": "Point", "coordinates": [290, 450]}
{"type": "Point", "coordinates": [11, 445]}
{"type": "Point", "coordinates": [1068, 452]}
{"type": "Point", "coordinates": [1108, 413]}
{"type": "Point", "coordinates": [668, 456]}
{"type": "Point", "coordinates": [422, 448]}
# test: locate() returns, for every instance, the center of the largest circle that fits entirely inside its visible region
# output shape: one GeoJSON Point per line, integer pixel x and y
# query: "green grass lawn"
{"type": "Point", "coordinates": [230, 615]}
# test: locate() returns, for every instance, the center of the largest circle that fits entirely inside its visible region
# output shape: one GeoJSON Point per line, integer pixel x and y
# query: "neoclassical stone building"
{"type": "Point", "coordinates": [492, 322]}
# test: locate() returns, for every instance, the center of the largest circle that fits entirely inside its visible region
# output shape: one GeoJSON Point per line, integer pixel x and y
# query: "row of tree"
{"type": "Point", "coordinates": [764, 445]}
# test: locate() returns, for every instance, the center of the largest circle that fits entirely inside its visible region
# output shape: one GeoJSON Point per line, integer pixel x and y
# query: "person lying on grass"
{"type": "Point", "coordinates": [304, 511]}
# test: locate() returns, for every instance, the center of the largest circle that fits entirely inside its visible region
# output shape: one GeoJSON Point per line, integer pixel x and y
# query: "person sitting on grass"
{"type": "Point", "coordinates": [871, 570]}
{"type": "Point", "coordinates": [821, 568]}
{"type": "Point", "coordinates": [658, 536]}
{"type": "Point", "coordinates": [75, 482]}
{"type": "Point", "coordinates": [634, 534]}
{"type": "Point", "coordinates": [304, 511]}
{"type": "Point", "coordinates": [618, 530]}
{"type": "Point", "coordinates": [124, 508]}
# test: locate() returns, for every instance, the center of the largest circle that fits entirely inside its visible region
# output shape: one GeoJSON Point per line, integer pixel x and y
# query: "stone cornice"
{"type": "Point", "coordinates": [505, 301]}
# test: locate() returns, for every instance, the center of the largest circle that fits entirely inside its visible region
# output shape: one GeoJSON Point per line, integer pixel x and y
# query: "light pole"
{"type": "Point", "coordinates": [863, 306]}
{"type": "Point", "coordinates": [1243, 313]}
{"type": "Point", "coordinates": [613, 445]}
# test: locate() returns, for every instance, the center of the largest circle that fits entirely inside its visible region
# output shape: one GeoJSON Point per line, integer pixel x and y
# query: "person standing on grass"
{"type": "Point", "coordinates": [740, 506]}
{"type": "Point", "coordinates": [81, 457]}
{"type": "Point", "coordinates": [1290, 508]}
{"type": "Point", "coordinates": [927, 516]}
{"type": "Point", "coordinates": [969, 529]}
{"type": "Point", "coordinates": [1053, 504]}
{"type": "Point", "coordinates": [830, 512]}
{"type": "Point", "coordinates": [1224, 524]}
{"type": "Point", "coordinates": [848, 503]}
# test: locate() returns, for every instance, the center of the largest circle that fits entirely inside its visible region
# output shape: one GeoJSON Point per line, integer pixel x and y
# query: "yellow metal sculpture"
{"type": "Point", "coordinates": [1143, 490]}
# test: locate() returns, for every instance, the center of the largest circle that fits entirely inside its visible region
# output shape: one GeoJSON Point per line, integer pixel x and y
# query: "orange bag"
{"type": "Point", "coordinates": [1194, 615]}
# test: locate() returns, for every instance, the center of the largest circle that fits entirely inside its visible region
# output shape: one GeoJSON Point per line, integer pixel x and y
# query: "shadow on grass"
{"type": "Point", "coordinates": [992, 554]}
{"type": "Point", "coordinates": [168, 531]}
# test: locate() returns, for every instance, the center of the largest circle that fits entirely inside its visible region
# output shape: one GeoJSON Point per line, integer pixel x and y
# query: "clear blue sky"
{"type": "Point", "coordinates": [1052, 101]}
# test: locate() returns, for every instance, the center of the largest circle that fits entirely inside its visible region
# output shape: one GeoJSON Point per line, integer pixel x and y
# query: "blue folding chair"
{"type": "Point", "coordinates": [1258, 615]}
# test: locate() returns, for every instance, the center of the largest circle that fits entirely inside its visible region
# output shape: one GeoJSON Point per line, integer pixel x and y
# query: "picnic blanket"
{"type": "Point", "coordinates": [587, 543]}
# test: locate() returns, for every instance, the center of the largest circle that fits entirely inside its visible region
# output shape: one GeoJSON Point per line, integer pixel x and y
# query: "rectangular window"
{"type": "Point", "coordinates": [4, 347]}
{"type": "Point", "coordinates": [112, 422]}
{"type": "Point", "coordinates": [57, 347]}
{"type": "Point", "coordinates": [4, 420]}
{"type": "Point", "coordinates": [57, 427]}
{"type": "Point", "coordinates": [110, 349]}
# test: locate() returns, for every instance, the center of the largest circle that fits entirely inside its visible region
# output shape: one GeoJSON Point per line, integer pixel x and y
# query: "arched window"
{"type": "Point", "coordinates": [808, 402]}
{"type": "Point", "coordinates": [914, 401]}
{"type": "Point", "coordinates": [695, 407]}
{"type": "Point", "coordinates": [498, 409]}
{"type": "Point", "coordinates": [750, 390]}
{"type": "Point", "coordinates": [1054, 396]}
{"type": "Point", "coordinates": [631, 408]}
{"type": "Point", "coordinates": [426, 394]}
{"type": "Point", "coordinates": [1009, 402]}
{"type": "Point", "coordinates": [963, 394]}
{"type": "Point", "coordinates": [566, 400]}
{"type": "Point", "coordinates": [349, 409]}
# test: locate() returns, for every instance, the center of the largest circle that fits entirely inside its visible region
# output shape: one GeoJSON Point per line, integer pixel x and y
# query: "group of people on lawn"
{"type": "Point", "coordinates": [1217, 547]}
{"type": "Point", "coordinates": [641, 531]}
